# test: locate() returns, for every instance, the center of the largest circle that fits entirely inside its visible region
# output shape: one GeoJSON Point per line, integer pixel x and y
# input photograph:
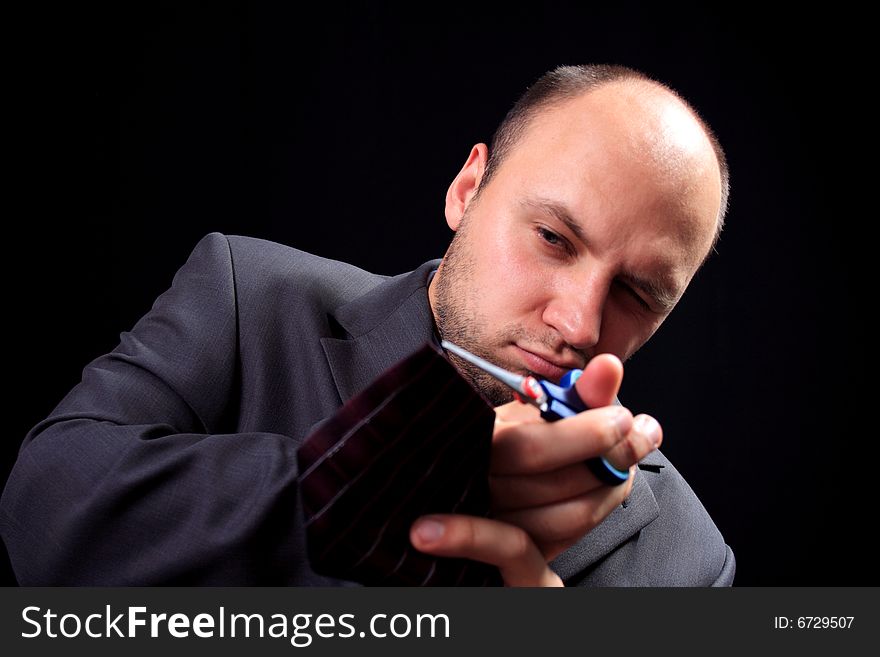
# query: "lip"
{"type": "Point", "coordinates": [542, 365]}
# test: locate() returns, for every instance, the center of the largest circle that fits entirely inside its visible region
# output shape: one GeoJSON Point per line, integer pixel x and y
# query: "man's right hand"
{"type": "Point", "coordinates": [544, 497]}
{"type": "Point", "coordinates": [539, 478]}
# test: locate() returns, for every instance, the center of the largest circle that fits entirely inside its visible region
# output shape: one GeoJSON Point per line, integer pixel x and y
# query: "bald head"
{"type": "Point", "coordinates": [652, 136]}
{"type": "Point", "coordinates": [659, 128]}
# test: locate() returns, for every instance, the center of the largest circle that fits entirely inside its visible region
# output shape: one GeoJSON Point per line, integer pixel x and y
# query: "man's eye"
{"type": "Point", "coordinates": [635, 295]}
{"type": "Point", "coordinates": [549, 236]}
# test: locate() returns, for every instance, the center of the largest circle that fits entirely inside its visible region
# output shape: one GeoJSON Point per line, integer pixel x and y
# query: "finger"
{"type": "Point", "coordinates": [553, 550]}
{"type": "Point", "coordinates": [600, 382]}
{"type": "Point", "coordinates": [570, 519]}
{"type": "Point", "coordinates": [644, 437]}
{"type": "Point", "coordinates": [517, 412]}
{"type": "Point", "coordinates": [540, 447]}
{"type": "Point", "coordinates": [511, 492]}
{"type": "Point", "coordinates": [481, 539]}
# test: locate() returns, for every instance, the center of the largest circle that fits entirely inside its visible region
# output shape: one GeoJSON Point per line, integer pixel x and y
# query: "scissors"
{"type": "Point", "coordinates": [554, 401]}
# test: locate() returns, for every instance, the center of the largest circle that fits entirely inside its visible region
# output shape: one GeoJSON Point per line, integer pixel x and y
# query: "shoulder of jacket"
{"type": "Point", "coordinates": [264, 256]}
{"type": "Point", "coordinates": [267, 267]}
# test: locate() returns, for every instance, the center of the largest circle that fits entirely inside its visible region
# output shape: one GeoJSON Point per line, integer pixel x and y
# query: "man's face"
{"type": "Point", "coordinates": [583, 240]}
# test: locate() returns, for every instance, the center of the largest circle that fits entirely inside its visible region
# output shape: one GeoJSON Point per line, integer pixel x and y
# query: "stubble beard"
{"type": "Point", "coordinates": [457, 313]}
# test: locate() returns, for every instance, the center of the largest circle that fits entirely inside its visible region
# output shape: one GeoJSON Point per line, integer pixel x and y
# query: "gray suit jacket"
{"type": "Point", "coordinates": [173, 461]}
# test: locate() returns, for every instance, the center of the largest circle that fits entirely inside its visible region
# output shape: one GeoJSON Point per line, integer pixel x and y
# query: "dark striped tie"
{"type": "Point", "coordinates": [415, 441]}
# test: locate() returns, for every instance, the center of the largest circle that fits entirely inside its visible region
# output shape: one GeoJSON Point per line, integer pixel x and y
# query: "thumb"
{"type": "Point", "coordinates": [601, 380]}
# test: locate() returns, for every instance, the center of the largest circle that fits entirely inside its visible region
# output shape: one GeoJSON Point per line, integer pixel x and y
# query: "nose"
{"type": "Point", "coordinates": [575, 311]}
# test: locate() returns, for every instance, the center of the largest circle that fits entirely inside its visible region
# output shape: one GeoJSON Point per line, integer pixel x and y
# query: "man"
{"type": "Point", "coordinates": [174, 460]}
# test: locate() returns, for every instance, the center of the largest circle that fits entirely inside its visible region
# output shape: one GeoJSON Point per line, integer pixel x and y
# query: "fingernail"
{"type": "Point", "coordinates": [429, 531]}
{"type": "Point", "coordinates": [648, 426]}
{"type": "Point", "coordinates": [622, 420]}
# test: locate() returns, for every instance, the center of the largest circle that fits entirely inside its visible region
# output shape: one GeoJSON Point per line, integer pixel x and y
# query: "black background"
{"type": "Point", "coordinates": [336, 128]}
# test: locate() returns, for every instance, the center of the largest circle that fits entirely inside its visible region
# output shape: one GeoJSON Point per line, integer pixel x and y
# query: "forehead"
{"type": "Point", "coordinates": [634, 157]}
{"type": "Point", "coordinates": [635, 120]}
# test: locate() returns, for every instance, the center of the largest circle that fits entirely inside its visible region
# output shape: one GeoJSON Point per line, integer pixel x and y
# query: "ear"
{"type": "Point", "coordinates": [465, 185]}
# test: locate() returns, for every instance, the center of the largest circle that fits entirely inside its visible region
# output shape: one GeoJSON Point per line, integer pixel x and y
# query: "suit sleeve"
{"type": "Point", "coordinates": [138, 476]}
{"type": "Point", "coordinates": [728, 570]}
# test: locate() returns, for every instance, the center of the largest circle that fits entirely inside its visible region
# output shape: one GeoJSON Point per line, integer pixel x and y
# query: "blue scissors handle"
{"type": "Point", "coordinates": [563, 401]}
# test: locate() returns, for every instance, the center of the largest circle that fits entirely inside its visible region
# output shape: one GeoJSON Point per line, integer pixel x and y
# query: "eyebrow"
{"type": "Point", "coordinates": [663, 296]}
{"type": "Point", "coordinates": [560, 212]}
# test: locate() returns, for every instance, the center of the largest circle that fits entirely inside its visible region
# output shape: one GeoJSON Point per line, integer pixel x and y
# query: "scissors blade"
{"type": "Point", "coordinates": [521, 384]}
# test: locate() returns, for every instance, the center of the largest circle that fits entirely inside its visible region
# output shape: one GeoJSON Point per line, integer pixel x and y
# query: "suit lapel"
{"type": "Point", "coordinates": [622, 524]}
{"type": "Point", "coordinates": [387, 324]}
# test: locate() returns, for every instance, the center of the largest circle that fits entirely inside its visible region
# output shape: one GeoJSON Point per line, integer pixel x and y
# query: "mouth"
{"type": "Point", "coordinates": [544, 366]}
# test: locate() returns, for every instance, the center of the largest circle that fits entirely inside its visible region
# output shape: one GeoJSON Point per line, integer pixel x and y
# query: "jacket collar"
{"type": "Point", "coordinates": [386, 324]}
